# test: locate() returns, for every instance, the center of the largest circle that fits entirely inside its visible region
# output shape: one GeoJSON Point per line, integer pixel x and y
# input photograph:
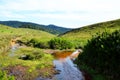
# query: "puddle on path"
{"type": "Point", "coordinates": [64, 64]}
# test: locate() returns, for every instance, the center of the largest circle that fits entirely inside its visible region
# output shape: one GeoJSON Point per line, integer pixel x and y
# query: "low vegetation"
{"type": "Point", "coordinates": [3, 76]}
{"type": "Point", "coordinates": [80, 36]}
{"type": "Point", "coordinates": [60, 43]}
{"type": "Point", "coordinates": [101, 53]}
{"type": "Point", "coordinates": [29, 61]}
{"type": "Point", "coordinates": [34, 42]}
{"type": "Point", "coordinates": [100, 57]}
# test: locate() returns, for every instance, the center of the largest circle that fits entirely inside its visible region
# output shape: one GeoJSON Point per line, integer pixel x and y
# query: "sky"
{"type": "Point", "coordinates": [65, 13]}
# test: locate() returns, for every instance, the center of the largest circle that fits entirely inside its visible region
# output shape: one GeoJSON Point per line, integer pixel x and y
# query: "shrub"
{"type": "Point", "coordinates": [30, 53]}
{"type": "Point", "coordinates": [4, 76]}
{"type": "Point", "coordinates": [36, 43]}
{"type": "Point", "coordinates": [102, 53]}
{"type": "Point", "coordinates": [60, 43]}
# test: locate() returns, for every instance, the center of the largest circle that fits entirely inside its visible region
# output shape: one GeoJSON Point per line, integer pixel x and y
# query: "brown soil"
{"type": "Point", "coordinates": [22, 73]}
{"type": "Point", "coordinates": [62, 54]}
{"type": "Point", "coordinates": [18, 71]}
{"type": "Point", "coordinates": [47, 72]}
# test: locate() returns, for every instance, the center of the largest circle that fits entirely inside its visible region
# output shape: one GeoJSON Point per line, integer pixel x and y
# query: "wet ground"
{"type": "Point", "coordinates": [63, 64]}
{"type": "Point", "coordinates": [67, 70]}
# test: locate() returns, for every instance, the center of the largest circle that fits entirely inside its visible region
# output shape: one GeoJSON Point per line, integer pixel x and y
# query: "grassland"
{"type": "Point", "coordinates": [37, 63]}
{"type": "Point", "coordinates": [25, 33]}
{"type": "Point", "coordinates": [8, 33]}
{"type": "Point", "coordinates": [81, 35]}
{"type": "Point", "coordinates": [33, 60]}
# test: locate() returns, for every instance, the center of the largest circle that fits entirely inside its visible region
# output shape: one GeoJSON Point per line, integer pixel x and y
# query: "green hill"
{"type": "Point", "coordinates": [7, 33]}
{"type": "Point", "coordinates": [24, 32]}
{"type": "Point", "coordinates": [35, 59]}
{"type": "Point", "coordinates": [48, 28]}
{"type": "Point", "coordinates": [81, 35]}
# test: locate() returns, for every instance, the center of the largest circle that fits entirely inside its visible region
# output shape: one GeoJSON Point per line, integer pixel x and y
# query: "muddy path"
{"type": "Point", "coordinates": [64, 64]}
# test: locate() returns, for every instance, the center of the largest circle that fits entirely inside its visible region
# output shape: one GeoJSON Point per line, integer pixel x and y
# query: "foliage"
{"type": "Point", "coordinates": [102, 53]}
{"type": "Point", "coordinates": [35, 58]}
{"type": "Point", "coordinates": [60, 43]}
{"type": "Point", "coordinates": [4, 76]}
{"type": "Point", "coordinates": [32, 54]}
{"type": "Point", "coordinates": [24, 35]}
{"type": "Point", "coordinates": [88, 71]}
{"type": "Point", "coordinates": [37, 43]}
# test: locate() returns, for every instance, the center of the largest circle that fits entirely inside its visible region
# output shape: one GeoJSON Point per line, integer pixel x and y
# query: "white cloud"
{"type": "Point", "coordinates": [66, 12]}
{"type": "Point", "coordinates": [62, 5]}
{"type": "Point", "coordinates": [10, 15]}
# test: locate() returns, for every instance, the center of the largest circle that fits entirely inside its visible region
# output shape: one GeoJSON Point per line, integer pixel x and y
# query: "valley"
{"type": "Point", "coordinates": [28, 53]}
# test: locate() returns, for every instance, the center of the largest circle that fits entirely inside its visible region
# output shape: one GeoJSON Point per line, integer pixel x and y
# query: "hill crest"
{"type": "Point", "coordinates": [48, 28]}
{"type": "Point", "coordinates": [104, 25]}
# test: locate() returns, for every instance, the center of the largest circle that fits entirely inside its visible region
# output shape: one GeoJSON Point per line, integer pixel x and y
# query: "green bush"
{"type": "Point", "coordinates": [4, 76]}
{"type": "Point", "coordinates": [60, 43]}
{"type": "Point", "coordinates": [102, 53]}
{"type": "Point", "coordinates": [30, 53]}
{"type": "Point", "coordinates": [36, 43]}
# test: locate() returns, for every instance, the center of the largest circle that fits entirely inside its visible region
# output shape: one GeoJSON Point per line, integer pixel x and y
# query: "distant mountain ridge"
{"type": "Point", "coordinates": [48, 28]}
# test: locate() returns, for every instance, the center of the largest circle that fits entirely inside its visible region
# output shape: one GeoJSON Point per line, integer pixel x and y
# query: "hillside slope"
{"type": "Point", "coordinates": [48, 28]}
{"type": "Point", "coordinates": [13, 46]}
{"type": "Point", "coordinates": [81, 35]}
{"type": "Point", "coordinates": [7, 33]}
{"type": "Point", "coordinates": [24, 32]}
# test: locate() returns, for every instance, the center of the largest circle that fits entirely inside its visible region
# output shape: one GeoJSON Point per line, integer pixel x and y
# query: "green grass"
{"type": "Point", "coordinates": [25, 33]}
{"type": "Point", "coordinates": [8, 33]}
{"type": "Point", "coordinates": [81, 35]}
{"type": "Point", "coordinates": [14, 60]}
{"type": "Point", "coordinates": [40, 60]}
{"type": "Point", "coordinates": [37, 59]}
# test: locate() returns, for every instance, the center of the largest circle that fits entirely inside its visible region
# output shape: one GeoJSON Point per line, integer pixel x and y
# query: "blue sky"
{"type": "Point", "coordinates": [66, 13]}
